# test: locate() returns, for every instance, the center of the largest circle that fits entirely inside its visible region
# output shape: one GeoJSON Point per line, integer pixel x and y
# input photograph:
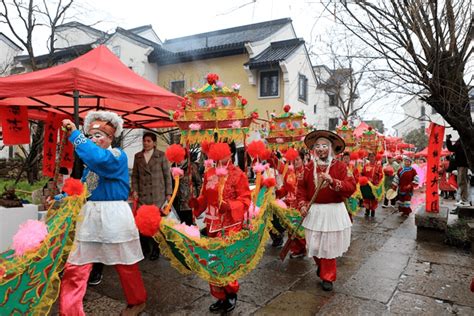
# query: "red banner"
{"type": "Point", "coordinates": [67, 157]}
{"type": "Point", "coordinates": [15, 125]}
{"type": "Point", "coordinates": [50, 142]}
{"type": "Point", "coordinates": [435, 144]}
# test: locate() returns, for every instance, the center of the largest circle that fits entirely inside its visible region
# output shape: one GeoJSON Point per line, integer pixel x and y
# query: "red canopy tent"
{"type": "Point", "coordinates": [96, 80]}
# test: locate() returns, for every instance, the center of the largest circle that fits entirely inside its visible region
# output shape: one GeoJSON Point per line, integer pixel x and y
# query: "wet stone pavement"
{"type": "Point", "coordinates": [385, 272]}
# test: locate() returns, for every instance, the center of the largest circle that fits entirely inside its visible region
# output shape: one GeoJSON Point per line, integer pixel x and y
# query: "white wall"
{"type": "Point", "coordinates": [149, 34]}
{"type": "Point", "coordinates": [72, 36]}
{"type": "Point", "coordinates": [7, 53]}
{"type": "Point", "coordinates": [298, 63]}
{"type": "Point", "coordinates": [285, 33]}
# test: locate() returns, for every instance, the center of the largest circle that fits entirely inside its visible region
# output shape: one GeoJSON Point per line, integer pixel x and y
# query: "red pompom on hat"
{"type": "Point", "coordinates": [291, 154]}
{"type": "Point", "coordinates": [73, 186]}
{"type": "Point", "coordinates": [363, 181]}
{"type": "Point", "coordinates": [219, 151]}
{"type": "Point", "coordinates": [148, 219]}
{"type": "Point", "coordinates": [269, 182]}
{"type": "Point", "coordinates": [256, 148]}
{"type": "Point", "coordinates": [175, 153]}
{"type": "Point", "coordinates": [388, 171]}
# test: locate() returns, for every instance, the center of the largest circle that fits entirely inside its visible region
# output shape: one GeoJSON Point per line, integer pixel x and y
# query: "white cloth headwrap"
{"type": "Point", "coordinates": [105, 116]}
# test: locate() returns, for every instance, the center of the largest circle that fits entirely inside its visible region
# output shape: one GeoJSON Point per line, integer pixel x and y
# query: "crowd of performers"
{"type": "Point", "coordinates": [318, 183]}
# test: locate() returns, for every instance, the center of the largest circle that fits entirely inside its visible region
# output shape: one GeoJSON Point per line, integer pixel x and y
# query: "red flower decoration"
{"type": "Point", "coordinates": [148, 220]}
{"type": "Point", "coordinates": [176, 115]}
{"type": "Point", "coordinates": [345, 122]}
{"type": "Point", "coordinates": [287, 108]}
{"type": "Point", "coordinates": [219, 151]}
{"type": "Point", "coordinates": [291, 154]}
{"type": "Point", "coordinates": [363, 153]}
{"type": "Point", "coordinates": [254, 115]}
{"type": "Point", "coordinates": [370, 128]}
{"type": "Point", "coordinates": [269, 182]}
{"type": "Point", "coordinates": [199, 116]}
{"type": "Point", "coordinates": [256, 148]}
{"type": "Point", "coordinates": [212, 78]}
{"type": "Point", "coordinates": [243, 102]}
{"type": "Point", "coordinates": [354, 155]}
{"type": "Point", "coordinates": [73, 186]}
{"type": "Point", "coordinates": [175, 153]}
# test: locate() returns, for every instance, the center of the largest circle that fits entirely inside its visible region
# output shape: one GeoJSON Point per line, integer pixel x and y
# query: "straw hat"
{"type": "Point", "coordinates": [337, 142]}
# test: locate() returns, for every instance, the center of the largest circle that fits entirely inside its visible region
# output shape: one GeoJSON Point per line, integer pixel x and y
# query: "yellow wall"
{"type": "Point", "coordinates": [230, 70]}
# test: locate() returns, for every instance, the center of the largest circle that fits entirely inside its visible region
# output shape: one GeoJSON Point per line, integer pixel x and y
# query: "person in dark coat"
{"type": "Point", "coordinates": [462, 170]}
{"type": "Point", "coordinates": [151, 183]}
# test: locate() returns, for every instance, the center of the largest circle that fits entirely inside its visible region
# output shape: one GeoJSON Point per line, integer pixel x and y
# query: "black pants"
{"type": "Point", "coordinates": [392, 202]}
{"type": "Point", "coordinates": [186, 216]}
{"type": "Point", "coordinates": [149, 245]}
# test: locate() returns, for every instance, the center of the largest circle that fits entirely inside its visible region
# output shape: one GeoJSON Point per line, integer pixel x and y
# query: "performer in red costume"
{"type": "Point", "coordinates": [225, 197]}
{"type": "Point", "coordinates": [327, 224]}
{"type": "Point", "coordinates": [288, 193]}
{"type": "Point", "coordinates": [373, 172]}
{"type": "Point", "coordinates": [406, 180]}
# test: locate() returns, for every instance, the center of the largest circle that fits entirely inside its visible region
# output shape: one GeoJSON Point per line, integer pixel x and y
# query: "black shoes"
{"type": "Point", "coordinates": [327, 286]}
{"type": "Point", "coordinates": [225, 306]}
{"type": "Point", "coordinates": [372, 213]}
{"type": "Point", "coordinates": [155, 254]}
{"type": "Point", "coordinates": [367, 213]}
{"type": "Point", "coordinates": [217, 306]}
{"type": "Point", "coordinates": [277, 241]}
{"type": "Point", "coordinates": [95, 278]}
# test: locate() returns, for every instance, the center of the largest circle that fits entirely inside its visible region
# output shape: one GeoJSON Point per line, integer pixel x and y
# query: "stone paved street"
{"type": "Point", "coordinates": [386, 271]}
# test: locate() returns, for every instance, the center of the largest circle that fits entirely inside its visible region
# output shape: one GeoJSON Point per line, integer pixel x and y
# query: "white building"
{"type": "Point", "coordinates": [419, 114]}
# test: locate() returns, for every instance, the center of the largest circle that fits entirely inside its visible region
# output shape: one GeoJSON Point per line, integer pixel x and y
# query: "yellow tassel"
{"type": "Point", "coordinates": [167, 209]}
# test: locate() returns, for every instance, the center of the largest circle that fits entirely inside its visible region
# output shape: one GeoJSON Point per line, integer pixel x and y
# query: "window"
{"type": "Point", "coordinates": [269, 84]}
{"type": "Point", "coordinates": [423, 110]}
{"type": "Point", "coordinates": [315, 108]}
{"type": "Point", "coordinates": [302, 88]}
{"type": "Point", "coordinates": [332, 100]}
{"type": "Point", "coordinates": [177, 87]}
{"type": "Point", "coordinates": [333, 123]}
{"type": "Point", "coordinates": [116, 51]}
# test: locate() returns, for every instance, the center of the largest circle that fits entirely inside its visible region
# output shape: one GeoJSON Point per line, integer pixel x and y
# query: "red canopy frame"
{"type": "Point", "coordinates": [93, 81]}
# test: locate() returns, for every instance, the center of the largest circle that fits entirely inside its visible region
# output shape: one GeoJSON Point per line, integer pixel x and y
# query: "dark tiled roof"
{"type": "Point", "coordinates": [135, 37]}
{"type": "Point", "coordinates": [276, 52]}
{"type": "Point", "coordinates": [140, 28]}
{"type": "Point", "coordinates": [58, 55]}
{"type": "Point", "coordinates": [216, 43]}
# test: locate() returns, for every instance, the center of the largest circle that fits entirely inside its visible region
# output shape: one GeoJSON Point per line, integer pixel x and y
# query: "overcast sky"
{"type": "Point", "coordinates": [178, 18]}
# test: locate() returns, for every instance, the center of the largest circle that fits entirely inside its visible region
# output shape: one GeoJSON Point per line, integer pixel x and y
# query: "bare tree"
{"type": "Point", "coordinates": [426, 46]}
{"type": "Point", "coordinates": [351, 82]}
{"type": "Point", "coordinates": [32, 14]}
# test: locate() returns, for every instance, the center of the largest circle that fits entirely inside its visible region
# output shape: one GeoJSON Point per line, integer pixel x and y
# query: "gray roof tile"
{"type": "Point", "coordinates": [276, 52]}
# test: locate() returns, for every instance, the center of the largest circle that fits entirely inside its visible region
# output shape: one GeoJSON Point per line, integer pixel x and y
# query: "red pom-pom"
{"type": "Point", "coordinates": [388, 171]}
{"type": "Point", "coordinates": [73, 186]}
{"type": "Point", "coordinates": [205, 146]}
{"type": "Point", "coordinates": [254, 115]}
{"type": "Point", "coordinates": [243, 102]}
{"type": "Point", "coordinates": [345, 122]}
{"type": "Point", "coordinates": [266, 155]}
{"type": "Point", "coordinates": [370, 128]}
{"type": "Point", "coordinates": [378, 156]}
{"type": "Point", "coordinates": [212, 78]}
{"type": "Point", "coordinates": [255, 149]}
{"type": "Point", "coordinates": [269, 182]}
{"type": "Point", "coordinates": [219, 151]}
{"type": "Point", "coordinates": [176, 115]}
{"type": "Point", "coordinates": [287, 108]}
{"type": "Point", "coordinates": [148, 220]}
{"type": "Point", "coordinates": [363, 181]}
{"type": "Point", "coordinates": [175, 153]}
{"type": "Point", "coordinates": [363, 153]}
{"type": "Point", "coordinates": [354, 155]}
{"type": "Point", "coordinates": [291, 154]}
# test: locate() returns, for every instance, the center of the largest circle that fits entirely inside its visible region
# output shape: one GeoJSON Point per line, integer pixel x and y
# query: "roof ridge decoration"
{"type": "Point", "coordinates": [213, 109]}
{"type": "Point", "coordinates": [287, 130]}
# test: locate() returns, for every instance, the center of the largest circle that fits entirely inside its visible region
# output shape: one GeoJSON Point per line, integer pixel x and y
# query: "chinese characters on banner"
{"type": "Point", "coordinates": [435, 143]}
{"type": "Point", "coordinates": [67, 157]}
{"type": "Point", "coordinates": [15, 125]}
{"type": "Point", "coordinates": [50, 141]}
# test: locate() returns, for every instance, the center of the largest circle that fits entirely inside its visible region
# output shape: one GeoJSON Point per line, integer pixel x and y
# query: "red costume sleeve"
{"type": "Point", "coordinates": [344, 183]}
{"type": "Point", "coordinates": [306, 186]}
{"type": "Point", "coordinates": [241, 203]}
